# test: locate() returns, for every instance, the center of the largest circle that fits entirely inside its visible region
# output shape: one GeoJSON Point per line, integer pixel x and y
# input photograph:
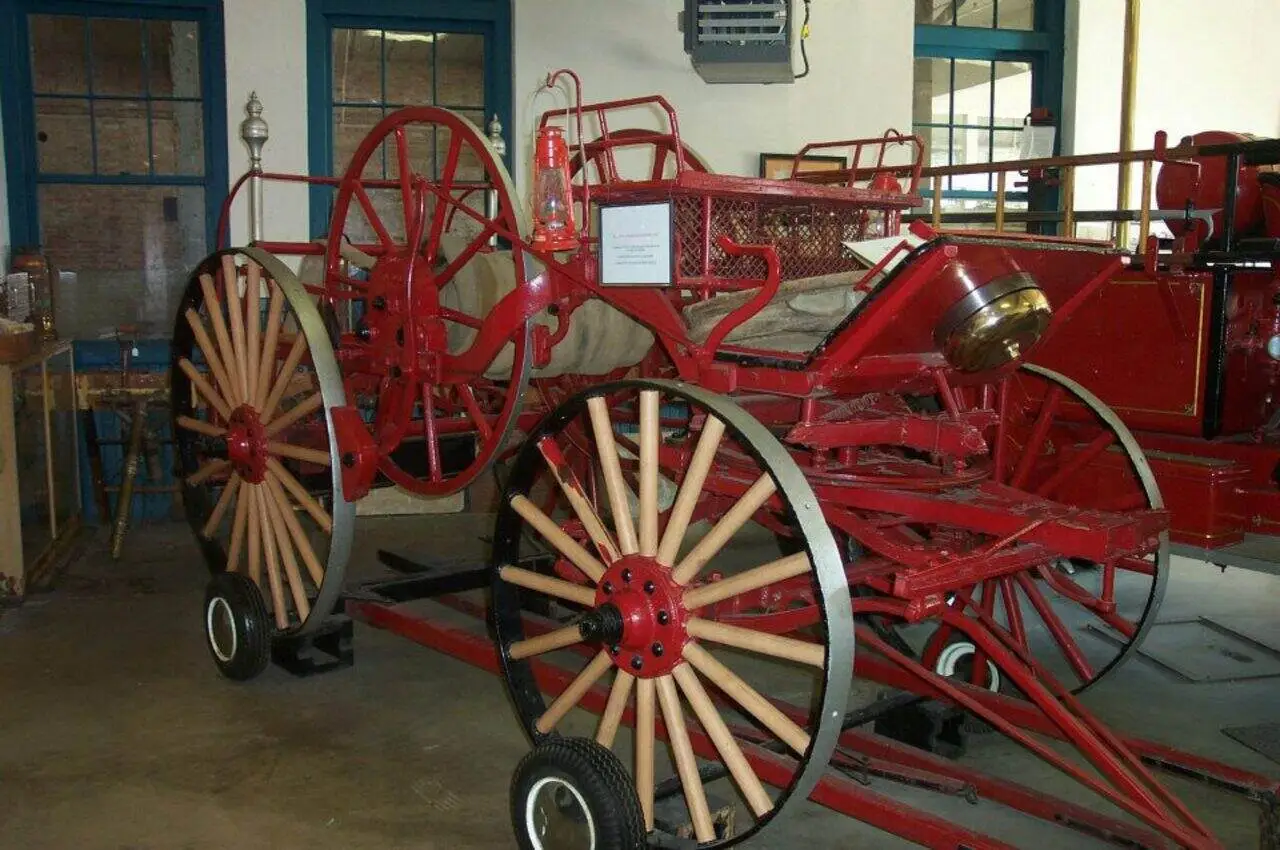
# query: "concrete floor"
{"type": "Point", "coordinates": [118, 732]}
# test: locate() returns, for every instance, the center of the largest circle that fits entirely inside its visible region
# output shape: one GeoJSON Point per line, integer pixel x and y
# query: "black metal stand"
{"type": "Point", "coordinates": [329, 649]}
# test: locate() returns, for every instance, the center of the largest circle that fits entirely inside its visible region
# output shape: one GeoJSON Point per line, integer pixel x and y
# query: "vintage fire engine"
{"type": "Point", "coordinates": [675, 366]}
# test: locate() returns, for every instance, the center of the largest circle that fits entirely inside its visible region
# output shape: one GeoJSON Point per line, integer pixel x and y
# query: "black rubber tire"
{"type": "Point", "coordinates": [1269, 823]}
{"type": "Point", "coordinates": [598, 775]}
{"type": "Point", "coordinates": [236, 597]}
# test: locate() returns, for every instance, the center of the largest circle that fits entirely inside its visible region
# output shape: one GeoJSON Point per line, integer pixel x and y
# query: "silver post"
{"type": "Point", "coordinates": [499, 146]}
{"type": "Point", "coordinates": [253, 130]}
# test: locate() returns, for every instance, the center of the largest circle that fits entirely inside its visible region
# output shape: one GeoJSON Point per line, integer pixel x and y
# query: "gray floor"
{"type": "Point", "coordinates": [118, 733]}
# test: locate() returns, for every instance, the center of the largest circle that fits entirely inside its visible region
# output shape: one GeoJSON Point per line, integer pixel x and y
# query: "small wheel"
{"type": "Point", "coordinates": [573, 794]}
{"type": "Point", "coordinates": [237, 626]}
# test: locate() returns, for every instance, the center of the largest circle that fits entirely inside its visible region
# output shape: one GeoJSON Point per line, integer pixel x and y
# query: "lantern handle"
{"type": "Point", "coordinates": [553, 80]}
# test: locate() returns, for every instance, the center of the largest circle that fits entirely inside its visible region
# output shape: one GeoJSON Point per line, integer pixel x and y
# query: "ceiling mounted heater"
{"type": "Point", "coordinates": [739, 41]}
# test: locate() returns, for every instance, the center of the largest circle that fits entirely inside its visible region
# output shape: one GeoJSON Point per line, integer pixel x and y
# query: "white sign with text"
{"type": "Point", "coordinates": [636, 245]}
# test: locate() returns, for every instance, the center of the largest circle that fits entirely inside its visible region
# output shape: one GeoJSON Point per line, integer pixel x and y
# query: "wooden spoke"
{"type": "Point", "coordinates": [235, 311]}
{"type": "Point", "coordinates": [572, 694]}
{"type": "Point", "coordinates": [746, 779]}
{"type": "Point", "coordinates": [556, 536]}
{"type": "Point", "coordinates": [613, 481]}
{"type": "Point", "coordinates": [748, 698]}
{"type": "Point", "coordinates": [202, 386]}
{"type": "Point", "coordinates": [280, 534]}
{"type": "Point", "coordinates": [558, 639]}
{"type": "Point", "coordinates": [253, 328]}
{"type": "Point", "coordinates": [291, 361]}
{"type": "Point", "coordinates": [650, 436]}
{"type": "Point", "coordinates": [760, 642]}
{"type": "Point", "coordinates": [686, 764]}
{"type": "Point", "coordinates": [728, 526]}
{"type": "Point", "coordinates": [644, 749]}
{"type": "Point", "coordinates": [207, 471]}
{"type": "Point", "coordinates": [582, 507]}
{"type": "Point", "coordinates": [228, 496]}
{"type": "Point", "coordinates": [753, 579]}
{"type": "Point", "coordinates": [201, 427]}
{"type": "Point", "coordinates": [267, 357]}
{"type": "Point", "coordinates": [210, 352]}
{"type": "Point", "coordinates": [549, 585]}
{"type": "Point", "coordinates": [255, 535]}
{"type": "Point", "coordinates": [301, 410]}
{"type": "Point", "coordinates": [1039, 431]}
{"type": "Point", "coordinates": [619, 694]}
{"type": "Point", "coordinates": [690, 490]}
{"type": "Point", "coordinates": [226, 353]}
{"type": "Point", "coordinates": [239, 524]}
{"type": "Point", "coordinates": [309, 503]}
{"type": "Point", "coordinates": [305, 455]}
{"type": "Point", "coordinates": [270, 556]}
{"type": "Point", "coordinates": [294, 528]}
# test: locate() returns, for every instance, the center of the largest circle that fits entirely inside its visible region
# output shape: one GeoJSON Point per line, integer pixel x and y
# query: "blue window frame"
{"type": "Point", "coordinates": [419, 29]}
{"type": "Point", "coordinates": [29, 169]}
{"type": "Point", "coordinates": [978, 61]}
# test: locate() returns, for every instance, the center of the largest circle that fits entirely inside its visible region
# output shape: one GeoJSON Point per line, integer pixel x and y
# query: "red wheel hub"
{"type": "Point", "coordinates": [653, 616]}
{"type": "Point", "coordinates": [247, 444]}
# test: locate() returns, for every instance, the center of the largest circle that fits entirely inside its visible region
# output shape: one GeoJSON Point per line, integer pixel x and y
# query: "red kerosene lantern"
{"type": "Point", "coordinates": [553, 226]}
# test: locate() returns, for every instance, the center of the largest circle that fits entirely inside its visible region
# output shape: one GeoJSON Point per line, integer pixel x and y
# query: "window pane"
{"type": "Point", "coordinates": [931, 101]}
{"type": "Point", "coordinates": [121, 127]}
{"type": "Point", "coordinates": [62, 136]}
{"type": "Point", "coordinates": [410, 58]}
{"type": "Point", "coordinates": [357, 66]}
{"type": "Point", "coordinates": [1013, 93]}
{"type": "Point", "coordinates": [1007, 145]}
{"type": "Point", "coordinates": [58, 63]}
{"type": "Point", "coordinates": [460, 70]}
{"type": "Point", "coordinates": [973, 92]}
{"type": "Point", "coordinates": [970, 146]}
{"type": "Point", "coordinates": [117, 56]}
{"type": "Point", "coordinates": [1016, 15]}
{"type": "Point", "coordinates": [935, 12]}
{"type": "Point", "coordinates": [350, 126]}
{"type": "Point", "coordinates": [177, 138]}
{"type": "Point", "coordinates": [131, 267]}
{"type": "Point", "coordinates": [976, 13]}
{"type": "Point", "coordinates": [173, 55]}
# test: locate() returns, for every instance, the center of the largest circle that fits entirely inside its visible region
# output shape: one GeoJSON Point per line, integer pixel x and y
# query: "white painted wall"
{"type": "Point", "coordinates": [267, 53]}
{"type": "Point", "coordinates": [1196, 71]}
{"type": "Point", "coordinates": [860, 84]}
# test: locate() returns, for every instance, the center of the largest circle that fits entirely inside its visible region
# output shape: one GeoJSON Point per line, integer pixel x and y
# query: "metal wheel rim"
{"type": "Point", "coordinates": [532, 800]}
{"type": "Point", "coordinates": [329, 379]}
{"type": "Point", "coordinates": [833, 599]}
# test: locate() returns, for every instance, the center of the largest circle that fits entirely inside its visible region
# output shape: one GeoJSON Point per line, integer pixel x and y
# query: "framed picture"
{"type": "Point", "coordinates": [777, 166]}
{"type": "Point", "coordinates": [637, 244]}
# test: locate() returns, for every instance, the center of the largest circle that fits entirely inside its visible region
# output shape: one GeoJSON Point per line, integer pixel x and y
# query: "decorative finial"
{"type": "Point", "coordinates": [496, 141]}
{"type": "Point", "coordinates": [253, 130]}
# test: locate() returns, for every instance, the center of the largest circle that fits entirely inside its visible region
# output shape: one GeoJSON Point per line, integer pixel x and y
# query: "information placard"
{"type": "Point", "coordinates": [637, 247]}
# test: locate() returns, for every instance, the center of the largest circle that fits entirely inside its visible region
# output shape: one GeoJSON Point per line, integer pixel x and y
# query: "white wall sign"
{"type": "Point", "coordinates": [636, 245]}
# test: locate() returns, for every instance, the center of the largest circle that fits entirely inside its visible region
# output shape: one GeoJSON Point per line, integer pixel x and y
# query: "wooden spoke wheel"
{"type": "Point", "coordinates": [634, 590]}
{"type": "Point", "coordinates": [1079, 619]}
{"type": "Point", "coordinates": [637, 155]}
{"type": "Point", "coordinates": [253, 383]}
{"type": "Point", "coordinates": [440, 380]}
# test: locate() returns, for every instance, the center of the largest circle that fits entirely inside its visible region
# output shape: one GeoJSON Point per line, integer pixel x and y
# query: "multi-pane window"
{"type": "Point", "coordinates": [989, 14]}
{"type": "Point", "coordinates": [377, 71]}
{"type": "Point", "coordinates": [119, 160]}
{"type": "Point", "coordinates": [969, 111]}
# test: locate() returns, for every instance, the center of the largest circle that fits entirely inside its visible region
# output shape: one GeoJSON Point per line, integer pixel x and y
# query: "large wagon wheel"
{"type": "Point", "coordinates": [1081, 620]}
{"type": "Point", "coordinates": [630, 595]}
{"type": "Point", "coordinates": [425, 195]}
{"type": "Point", "coordinates": [660, 165]}
{"type": "Point", "coordinates": [253, 382]}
